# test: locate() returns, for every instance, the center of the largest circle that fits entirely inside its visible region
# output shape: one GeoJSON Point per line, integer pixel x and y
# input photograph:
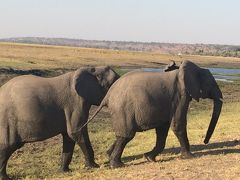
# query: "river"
{"type": "Point", "coordinates": [220, 74]}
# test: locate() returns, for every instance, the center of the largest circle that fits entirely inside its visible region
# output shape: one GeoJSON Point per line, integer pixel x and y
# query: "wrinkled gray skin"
{"type": "Point", "coordinates": [34, 108]}
{"type": "Point", "coordinates": [139, 101]}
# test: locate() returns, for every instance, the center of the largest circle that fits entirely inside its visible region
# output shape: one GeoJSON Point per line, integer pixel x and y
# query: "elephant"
{"type": "Point", "coordinates": [139, 101]}
{"type": "Point", "coordinates": [35, 108]}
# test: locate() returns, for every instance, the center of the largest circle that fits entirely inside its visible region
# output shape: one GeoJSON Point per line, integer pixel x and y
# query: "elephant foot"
{"type": "Point", "coordinates": [65, 169]}
{"type": "Point", "coordinates": [149, 157]}
{"type": "Point", "coordinates": [90, 165]}
{"type": "Point", "coordinates": [116, 164]}
{"type": "Point", "coordinates": [187, 155]}
{"type": "Point", "coordinates": [4, 177]}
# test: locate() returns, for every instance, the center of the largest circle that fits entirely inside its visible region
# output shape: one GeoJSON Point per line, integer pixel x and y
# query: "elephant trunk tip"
{"type": "Point", "coordinates": [206, 141]}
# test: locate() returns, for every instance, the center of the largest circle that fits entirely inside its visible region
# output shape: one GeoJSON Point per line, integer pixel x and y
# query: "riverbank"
{"type": "Point", "coordinates": [25, 56]}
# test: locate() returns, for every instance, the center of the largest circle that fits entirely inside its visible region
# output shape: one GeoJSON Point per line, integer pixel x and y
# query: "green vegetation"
{"type": "Point", "coordinates": [232, 75]}
{"type": "Point", "coordinates": [120, 71]}
{"type": "Point", "coordinates": [41, 160]}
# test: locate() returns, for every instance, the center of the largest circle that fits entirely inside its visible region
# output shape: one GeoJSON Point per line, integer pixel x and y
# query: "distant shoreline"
{"type": "Point", "coordinates": [168, 48]}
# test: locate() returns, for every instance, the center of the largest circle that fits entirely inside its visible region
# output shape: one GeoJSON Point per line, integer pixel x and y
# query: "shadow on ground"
{"type": "Point", "coordinates": [209, 149]}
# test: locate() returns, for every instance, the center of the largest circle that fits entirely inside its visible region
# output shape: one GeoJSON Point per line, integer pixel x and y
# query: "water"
{"type": "Point", "coordinates": [220, 74]}
{"type": "Point", "coordinates": [224, 71]}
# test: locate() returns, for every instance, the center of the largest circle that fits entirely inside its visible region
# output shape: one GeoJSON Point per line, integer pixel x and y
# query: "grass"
{"type": "Point", "coordinates": [238, 75]}
{"type": "Point", "coordinates": [222, 152]}
{"type": "Point", "coordinates": [25, 56]}
{"type": "Point", "coordinates": [218, 160]}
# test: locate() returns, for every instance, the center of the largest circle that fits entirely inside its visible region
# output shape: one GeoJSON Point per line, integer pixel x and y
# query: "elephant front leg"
{"type": "Point", "coordinates": [68, 147]}
{"type": "Point", "coordinates": [183, 140]}
{"type": "Point", "coordinates": [75, 120]}
{"type": "Point", "coordinates": [161, 133]}
{"type": "Point", "coordinates": [179, 126]}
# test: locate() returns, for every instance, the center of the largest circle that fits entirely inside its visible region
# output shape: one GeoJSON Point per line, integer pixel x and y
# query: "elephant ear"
{"type": "Point", "coordinates": [87, 85]}
{"type": "Point", "coordinates": [170, 67]}
{"type": "Point", "coordinates": [189, 75]}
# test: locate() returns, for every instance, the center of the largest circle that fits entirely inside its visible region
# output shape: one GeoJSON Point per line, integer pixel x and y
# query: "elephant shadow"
{"type": "Point", "coordinates": [225, 147]}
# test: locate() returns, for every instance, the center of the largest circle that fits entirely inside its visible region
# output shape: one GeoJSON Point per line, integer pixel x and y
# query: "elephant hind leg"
{"type": "Point", "coordinates": [115, 158]}
{"type": "Point", "coordinates": [3, 164]}
{"type": "Point", "coordinates": [110, 150]}
{"type": "Point", "coordinates": [68, 147]}
{"type": "Point", "coordinates": [87, 149]}
{"type": "Point", "coordinates": [5, 153]}
{"type": "Point", "coordinates": [161, 132]}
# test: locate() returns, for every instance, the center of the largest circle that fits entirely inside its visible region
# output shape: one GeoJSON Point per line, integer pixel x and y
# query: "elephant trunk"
{"type": "Point", "coordinates": [215, 115]}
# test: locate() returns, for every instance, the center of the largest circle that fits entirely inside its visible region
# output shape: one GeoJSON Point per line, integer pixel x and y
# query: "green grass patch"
{"type": "Point", "coordinates": [226, 74]}
{"type": "Point", "coordinates": [120, 71]}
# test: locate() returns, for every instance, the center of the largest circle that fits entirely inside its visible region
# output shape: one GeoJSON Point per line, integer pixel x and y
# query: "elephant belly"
{"type": "Point", "coordinates": [40, 123]}
{"type": "Point", "coordinates": [151, 118]}
{"type": "Point", "coordinates": [138, 110]}
{"type": "Point", "coordinates": [41, 131]}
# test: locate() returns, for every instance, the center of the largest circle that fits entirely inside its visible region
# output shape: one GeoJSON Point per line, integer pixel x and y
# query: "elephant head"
{"type": "Point", "coordinates": [200, 83]}
{"type": "Point", "coordinates": [92, 83]}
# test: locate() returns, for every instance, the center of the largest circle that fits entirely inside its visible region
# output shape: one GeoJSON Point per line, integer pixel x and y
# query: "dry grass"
{"type": "Point", "coordinates": [218, 160]}
{"type": "Point", "coordinates": [47, 57]}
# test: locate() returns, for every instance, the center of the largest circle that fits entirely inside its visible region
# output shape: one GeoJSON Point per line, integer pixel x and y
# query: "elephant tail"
{"type": "Point", "coordinates": [103, 103]}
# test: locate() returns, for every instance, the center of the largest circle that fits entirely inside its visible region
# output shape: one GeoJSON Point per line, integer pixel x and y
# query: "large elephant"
{"type": "Point", "coordinates": [34, 108]}
{"type": "Point", "coordinates": [139, 101]}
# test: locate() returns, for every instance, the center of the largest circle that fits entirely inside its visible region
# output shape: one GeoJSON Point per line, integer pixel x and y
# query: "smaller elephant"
{"type": "Point", "coordinates": [34, 108]}
{"type": "Point", "coordinates": [140, 101]}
